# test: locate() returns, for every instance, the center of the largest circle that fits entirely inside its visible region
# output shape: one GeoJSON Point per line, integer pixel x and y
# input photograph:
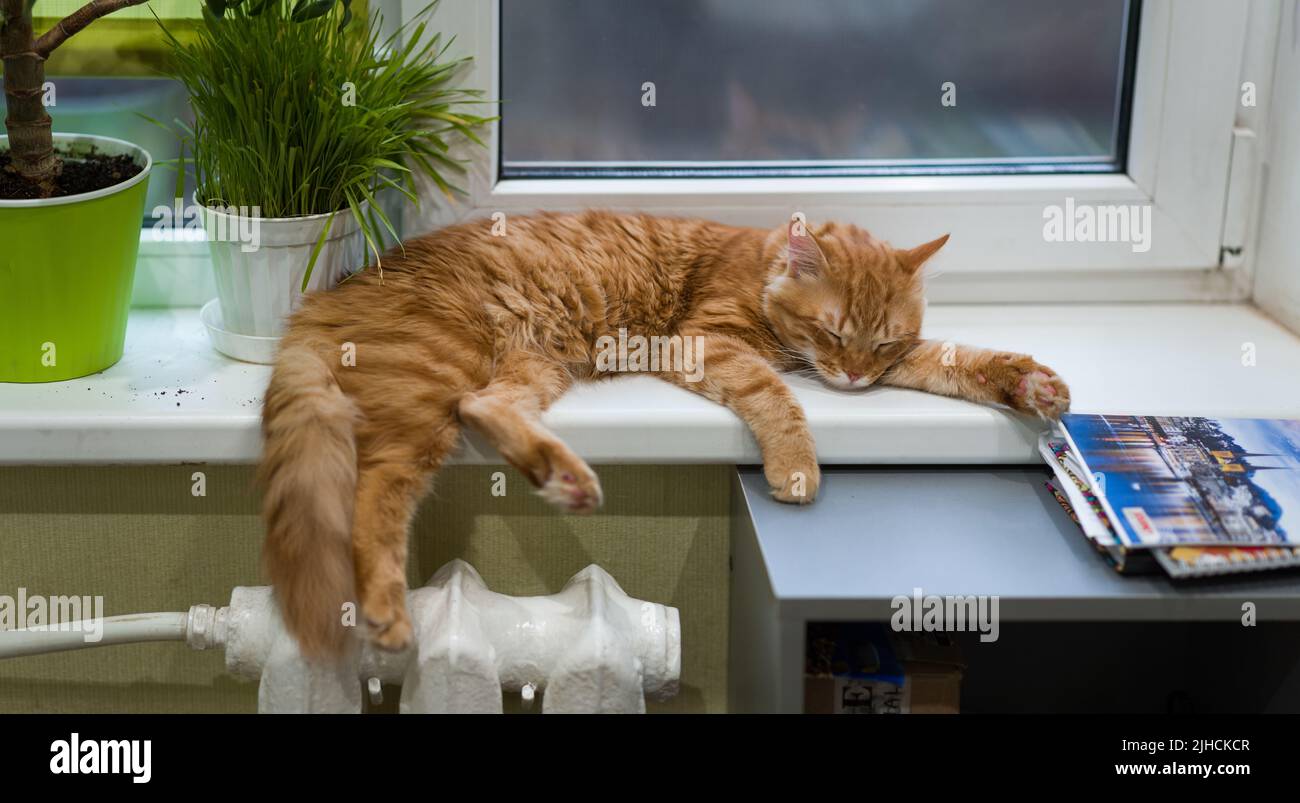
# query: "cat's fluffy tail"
{"type": "Point", "coordinates": [308, 476]}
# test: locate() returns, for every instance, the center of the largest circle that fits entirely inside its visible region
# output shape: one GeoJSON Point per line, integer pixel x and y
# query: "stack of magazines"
{"type": "Point", "coordinates": [1194, 497]}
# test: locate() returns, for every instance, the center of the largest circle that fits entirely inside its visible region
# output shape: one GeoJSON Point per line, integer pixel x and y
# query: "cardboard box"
{"type": "Point", "coordinates": [863, 668]}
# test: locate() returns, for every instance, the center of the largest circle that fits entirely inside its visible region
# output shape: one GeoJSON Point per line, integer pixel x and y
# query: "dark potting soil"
{"type": "Point", "coordinates": [84, 173]}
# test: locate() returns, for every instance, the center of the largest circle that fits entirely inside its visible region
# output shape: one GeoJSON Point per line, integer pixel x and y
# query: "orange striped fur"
{"type": "Point", "coordinates": [470, 329]}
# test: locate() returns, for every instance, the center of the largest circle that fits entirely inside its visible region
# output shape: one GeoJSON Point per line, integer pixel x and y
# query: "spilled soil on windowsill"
{"type": "Point", "coordinates": [86, 172]}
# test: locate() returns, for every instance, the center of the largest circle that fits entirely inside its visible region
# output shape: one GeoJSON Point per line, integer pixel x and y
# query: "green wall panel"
{"type": "Point", "coordinates": [137, 536]}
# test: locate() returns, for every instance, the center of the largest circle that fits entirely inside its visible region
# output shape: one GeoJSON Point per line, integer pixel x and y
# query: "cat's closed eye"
{"type": "Point", "coordinates": [835, 335]}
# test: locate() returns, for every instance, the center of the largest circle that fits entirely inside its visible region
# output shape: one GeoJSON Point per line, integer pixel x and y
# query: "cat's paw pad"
{"type": "Point", "coordinates": [571, 485]}
{"type": "Point", "coordinates": [1030, 387]}
{"type": "Point", "coordinates": [1043, 393]}
{"type": "Point", "coordinates": [795, 487]}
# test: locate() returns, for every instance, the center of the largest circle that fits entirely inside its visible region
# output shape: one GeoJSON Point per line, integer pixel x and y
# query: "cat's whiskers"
{"type": "Point", "coordinates": [798, 356]}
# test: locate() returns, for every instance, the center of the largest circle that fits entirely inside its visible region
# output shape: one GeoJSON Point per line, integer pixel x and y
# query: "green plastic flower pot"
{"type": "Point", "coordinates": [66, 268]}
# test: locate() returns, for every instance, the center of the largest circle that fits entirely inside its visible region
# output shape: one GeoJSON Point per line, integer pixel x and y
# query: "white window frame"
{"type": "Point", "coordinates": [1186, 102]}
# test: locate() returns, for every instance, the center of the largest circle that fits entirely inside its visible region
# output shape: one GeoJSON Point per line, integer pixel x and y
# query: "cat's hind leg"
{"type": "Point", "coordinates": [406, 433]}
{"type": "Point", "coordinates": [508, 414]}
{"type": "Point", "coordinates": [389, 488]}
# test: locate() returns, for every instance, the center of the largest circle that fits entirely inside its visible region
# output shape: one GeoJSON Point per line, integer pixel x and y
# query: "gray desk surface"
{"type": "Point", "coordinates": [878, 532]}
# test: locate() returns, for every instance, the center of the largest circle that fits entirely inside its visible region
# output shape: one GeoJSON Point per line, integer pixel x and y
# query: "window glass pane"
{"type": "Point", "coordinates": [126, 42]}
{"type": "Point", "coordinates": [840, 86]}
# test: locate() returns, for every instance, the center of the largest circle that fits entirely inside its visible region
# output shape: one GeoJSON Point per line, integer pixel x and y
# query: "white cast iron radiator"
{"type": "Point", "coordinates": [590, 648]}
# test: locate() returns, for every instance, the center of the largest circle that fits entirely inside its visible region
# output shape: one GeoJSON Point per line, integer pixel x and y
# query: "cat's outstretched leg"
{"type": "Point", "coordinates": [982, 375]}
{"type": "Point", "coordinates": [736, 375]}
{"type": "Point", "coordinates": [508, 413]}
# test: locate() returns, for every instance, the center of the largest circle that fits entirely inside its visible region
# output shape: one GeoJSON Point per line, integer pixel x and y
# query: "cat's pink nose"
{"type": "Point", "coordinates": [852, 376]}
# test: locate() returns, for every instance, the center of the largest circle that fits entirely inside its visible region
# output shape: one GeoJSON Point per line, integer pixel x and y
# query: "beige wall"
{"type": "Point", "coordinates": [139, 538]}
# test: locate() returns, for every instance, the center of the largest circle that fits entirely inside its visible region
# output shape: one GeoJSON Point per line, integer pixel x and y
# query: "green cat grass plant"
{"type": "Point", "coordinates": [301, 110]}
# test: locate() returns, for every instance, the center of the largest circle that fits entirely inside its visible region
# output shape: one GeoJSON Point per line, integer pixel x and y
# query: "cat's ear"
{"type": "Point", "coordinates": [913, 258]}
{"type": "Point", "coordinates": [804, 257]}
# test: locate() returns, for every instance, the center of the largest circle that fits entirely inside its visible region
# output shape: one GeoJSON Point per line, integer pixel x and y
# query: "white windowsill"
{"type": "Point", "coordinates": [172, 399]}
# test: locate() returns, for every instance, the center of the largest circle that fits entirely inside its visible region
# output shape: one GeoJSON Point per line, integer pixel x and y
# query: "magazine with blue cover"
{"type": "Point", "coordinates": [1170, 480]}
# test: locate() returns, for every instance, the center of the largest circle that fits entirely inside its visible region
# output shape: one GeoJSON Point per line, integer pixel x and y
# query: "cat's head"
{"type": "Point", "coordinates": [850, 304]}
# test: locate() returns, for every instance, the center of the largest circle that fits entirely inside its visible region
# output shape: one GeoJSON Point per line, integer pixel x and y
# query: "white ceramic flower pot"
{"type": "Point", "coordinates": [259, 264]}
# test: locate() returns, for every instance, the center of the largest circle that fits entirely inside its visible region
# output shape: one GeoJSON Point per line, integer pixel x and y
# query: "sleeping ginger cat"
{"type": "Point", "coordinates": [467, 329]}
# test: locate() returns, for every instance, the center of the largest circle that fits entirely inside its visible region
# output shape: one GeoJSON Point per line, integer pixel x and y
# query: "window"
{"type": "Point", "coordinates": [1126, 107]}
{"type": "Point", "coordinates": [837, 87]}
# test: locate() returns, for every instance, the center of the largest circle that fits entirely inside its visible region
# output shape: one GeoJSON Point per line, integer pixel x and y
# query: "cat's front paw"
{"type": "Point", "coordinates": [794, 482]}
{"type": "Point", "coordinates": [1028, 386]}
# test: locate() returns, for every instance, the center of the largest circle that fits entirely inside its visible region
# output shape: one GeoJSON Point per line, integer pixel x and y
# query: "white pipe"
{"type": "Point", "coordinates": [130, 629]}
{"type": "Point", "coordinates": [201, 627]}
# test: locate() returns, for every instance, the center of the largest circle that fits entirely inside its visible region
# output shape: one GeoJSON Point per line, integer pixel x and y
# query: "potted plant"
{"type": "Point", "coordinates": [304, 120]}
{"type": "Point", "coordinates": [71, 208]}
